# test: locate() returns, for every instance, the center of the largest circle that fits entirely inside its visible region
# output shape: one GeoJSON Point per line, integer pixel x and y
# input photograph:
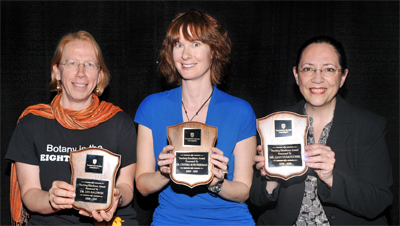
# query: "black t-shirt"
{"type": "Point", "coordinates": [44, 142]}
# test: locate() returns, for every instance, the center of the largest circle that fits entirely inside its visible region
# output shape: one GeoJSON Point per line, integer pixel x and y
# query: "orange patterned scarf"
{"type": "Point", "coordinates": [77, 120]}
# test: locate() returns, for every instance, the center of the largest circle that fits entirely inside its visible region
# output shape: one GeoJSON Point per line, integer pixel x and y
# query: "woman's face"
{"type": "Point", "coordinates": [77, 83]}
{"type": "Point", "coordinates": [192, 59]}
{"type": "Point", "coordinates": [319, 90]}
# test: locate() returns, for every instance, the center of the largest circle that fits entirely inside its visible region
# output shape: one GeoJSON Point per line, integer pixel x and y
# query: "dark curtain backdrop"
{"type": "Point", "coordinates": [265, 37]}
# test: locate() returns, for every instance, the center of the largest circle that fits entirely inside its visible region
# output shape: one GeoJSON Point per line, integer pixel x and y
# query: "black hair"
{"type": "Point", "coordinates": [328, 40]}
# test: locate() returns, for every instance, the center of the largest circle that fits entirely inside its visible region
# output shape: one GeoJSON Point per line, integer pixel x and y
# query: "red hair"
{"type": "Point", "coordinates": [204, 28]}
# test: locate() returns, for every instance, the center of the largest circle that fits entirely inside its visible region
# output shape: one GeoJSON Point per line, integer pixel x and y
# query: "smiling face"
{"type": "Point", "coordinates": [319, 90]}
{"type": "Point", "coordinates": [77, 83]}
{"type": "Point", "coordinates": [192, 59]}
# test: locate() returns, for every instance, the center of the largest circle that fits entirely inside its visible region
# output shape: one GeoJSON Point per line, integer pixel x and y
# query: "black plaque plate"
{"type": "Point", "coordinates": [192, 137]}
{"type": "Point", "coordinates": [284, 155]}
{"type": "Point", "coordinates": [195, 163]}
{"type": "Point", "coordinates": [94, 191]}
{"type": "Point", "coordinates": [94, 164]}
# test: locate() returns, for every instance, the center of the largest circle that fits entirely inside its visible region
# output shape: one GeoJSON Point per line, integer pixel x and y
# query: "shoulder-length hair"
{"type": "Point", "coordinates": [87, 37]}
{"type": "Point", "coordinates": [204, 28]}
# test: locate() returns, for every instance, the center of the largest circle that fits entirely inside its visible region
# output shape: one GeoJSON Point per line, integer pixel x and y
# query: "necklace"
{"type": "Point", "coordinates": [183, 105]}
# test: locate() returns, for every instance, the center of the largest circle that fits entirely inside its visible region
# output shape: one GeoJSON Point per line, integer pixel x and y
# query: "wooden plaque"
{"type": "Point", "coordinates": [93, 176]}
{"type": "Point", "coordinates": [193, 142]}
{"type": "Point", "coordinates": [283, 137]}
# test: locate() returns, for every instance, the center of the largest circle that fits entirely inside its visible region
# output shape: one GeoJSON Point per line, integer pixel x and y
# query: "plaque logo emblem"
{"type": "Point", "coordinates": [94, 161]}
{"type": "Point", "coordinates": [283, 128]}
{"type": "Point", "coordinates": [192, 136]}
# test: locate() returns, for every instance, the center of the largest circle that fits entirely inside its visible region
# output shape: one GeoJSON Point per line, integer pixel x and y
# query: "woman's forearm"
{"type": "Point", "coordinates": [149, 183]}
{"type": "Point", "coordinates": [37, 200]}
{"type": "Point", "coordinates": [235, 191]}
{"type": "Point", "coordinates": [126, 193]}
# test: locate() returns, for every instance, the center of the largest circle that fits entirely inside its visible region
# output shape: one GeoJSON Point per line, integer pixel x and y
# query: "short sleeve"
{"type": "Point", "coordinates": [22, 147]}
{"type": "Point", "coordinates": [127, 143]}
{"type": "Point", "coordinates": [144, 112]}
{"type": "Point", "coordinates": [248, 126]}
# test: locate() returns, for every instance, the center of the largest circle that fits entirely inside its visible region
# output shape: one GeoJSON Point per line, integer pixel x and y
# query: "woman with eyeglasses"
{"type": "Point", "coordinates": [46, 134]}
{"type": "Point", "coordinates": [349, 173]}
{"type": "Point", "coordinates": [194, 56]}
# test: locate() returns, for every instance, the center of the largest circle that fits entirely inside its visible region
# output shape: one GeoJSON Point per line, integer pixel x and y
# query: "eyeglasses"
{"type": "Point", "coordinates": [87, 66]}
{"type": "Point", "coordinates": [325, 71]}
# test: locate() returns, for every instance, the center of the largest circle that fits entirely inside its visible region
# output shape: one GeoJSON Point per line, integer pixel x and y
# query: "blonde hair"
{"type": "Point", "coordinates": [87, 37]}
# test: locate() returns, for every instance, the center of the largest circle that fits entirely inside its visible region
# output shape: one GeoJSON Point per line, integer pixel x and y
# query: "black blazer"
{"type": "Point", "coordinates": [362, 176]}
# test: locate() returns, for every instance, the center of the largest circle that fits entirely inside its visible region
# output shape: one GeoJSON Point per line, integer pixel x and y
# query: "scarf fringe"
{"type": "Point", "coordinates": [76, 120]}
{"type": "Point", "coordinates": [19, 216]}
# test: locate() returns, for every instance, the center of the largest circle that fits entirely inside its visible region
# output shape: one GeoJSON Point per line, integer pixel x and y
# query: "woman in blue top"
{"type": "Point", "coordinates": [194, 55]}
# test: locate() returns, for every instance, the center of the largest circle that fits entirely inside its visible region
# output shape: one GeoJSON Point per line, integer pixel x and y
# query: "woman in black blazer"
{"type": "Point", "coordinates": [349, 171]}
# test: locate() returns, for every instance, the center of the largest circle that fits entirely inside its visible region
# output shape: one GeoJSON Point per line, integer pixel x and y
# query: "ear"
{"type": "Point", "coordinates": [343, 78]}
{"type": "Point", "coordinates": [296, 75]}
{"type": "Point", "coordinates": [56, 72]}
{"type": "Point", "coordinates": [101, 75]}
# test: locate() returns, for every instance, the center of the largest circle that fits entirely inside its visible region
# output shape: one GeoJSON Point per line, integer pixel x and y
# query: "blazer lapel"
{"type": "Point", "coordinates": [341, 126]}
